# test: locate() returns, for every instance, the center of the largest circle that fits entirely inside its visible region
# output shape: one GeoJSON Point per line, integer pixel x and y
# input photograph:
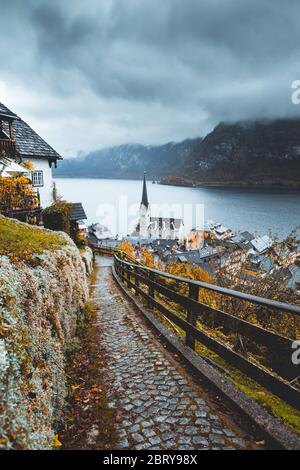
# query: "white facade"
{"type": "Point", "coordinates": [157, 227]}
{"type": "Point", "coordinates": [166, 229]}
{"type": "Point", "coordinates": [46, 191]}
{"type": "Point", "coordinates": [144, 221]}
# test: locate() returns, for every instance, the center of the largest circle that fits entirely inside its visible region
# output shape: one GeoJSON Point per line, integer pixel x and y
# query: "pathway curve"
{"type": "Point", "coordinates": [161, 407]}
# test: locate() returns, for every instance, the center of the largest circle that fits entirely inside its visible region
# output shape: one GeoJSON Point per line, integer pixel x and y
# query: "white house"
{"type": "Point", "coordinates": [222, 233]}
{"type": "Point", "coordinates": [164, 228]}
{"type": "Point", "coordinates": [22, 143]}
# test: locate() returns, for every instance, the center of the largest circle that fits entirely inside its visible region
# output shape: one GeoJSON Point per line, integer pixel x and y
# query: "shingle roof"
{"type": "Point", "coordinates": [163, 243]}
{"type": "Point", "coordinates": [195, 256]}
{"type": "Point", "coordinates": [294, 274]}
{"type": "Point", "coordinates": [77, 212]}
{"type": "Point", "coordinates": [207, 251]}
{"type": "Point", "coordinates": [261, 244]}
{"type": "Point", "coordinates": [188, 257]}
{"type": "Point", "coordinates": [247, 236]}
{"type": "Point", "coordinates": [5, 111]}
{"type": "Point", "coordinates": [221, 229]}
{"type": "Point", "coordinates": [29, 144]}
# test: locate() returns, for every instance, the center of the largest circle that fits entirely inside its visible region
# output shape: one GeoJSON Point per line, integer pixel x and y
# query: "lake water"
{"type": "Point", "coordinates": [115, 203]}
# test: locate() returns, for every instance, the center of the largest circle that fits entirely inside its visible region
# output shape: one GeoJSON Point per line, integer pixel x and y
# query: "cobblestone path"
{"type": "Point", "coordinates": [161, 407]}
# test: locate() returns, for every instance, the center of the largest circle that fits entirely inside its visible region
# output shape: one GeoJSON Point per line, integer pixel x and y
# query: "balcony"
{"type": "Point", "coordinates": [24, 208]}
{"type": "Point", "coordinates": [8, 147]}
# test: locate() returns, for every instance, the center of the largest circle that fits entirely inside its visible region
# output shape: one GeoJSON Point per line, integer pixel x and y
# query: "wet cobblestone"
{"type": "Point", "coordinates": [161, 407]}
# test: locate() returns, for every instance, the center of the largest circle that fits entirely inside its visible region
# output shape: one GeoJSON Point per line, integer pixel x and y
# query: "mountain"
{"type": "Point", "coordinates": [130, 161]}
{"type": "Point", "coordinates": [246, 153]}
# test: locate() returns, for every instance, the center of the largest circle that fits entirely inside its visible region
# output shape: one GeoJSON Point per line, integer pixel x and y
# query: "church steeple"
{"type": "Point", "coordinates": [144, 212]}
{"type": "Point", "coordinates": [145, 201]}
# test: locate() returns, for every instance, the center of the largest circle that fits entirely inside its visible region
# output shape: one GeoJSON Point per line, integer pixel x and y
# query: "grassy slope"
{"type": "Point", "coordinates": [289, 415]}
{"type": "Point", "coordinates": [22, 242]}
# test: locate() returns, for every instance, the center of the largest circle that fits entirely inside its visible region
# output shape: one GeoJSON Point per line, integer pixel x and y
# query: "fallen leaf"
{"type": "Point", "coordinates": [260, 443]}
{"type": "Point", "coordinates": [55, 441]}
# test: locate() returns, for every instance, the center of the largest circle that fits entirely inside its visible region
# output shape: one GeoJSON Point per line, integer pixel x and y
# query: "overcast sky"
{"type": "Point", "coordinates": [87, 74]}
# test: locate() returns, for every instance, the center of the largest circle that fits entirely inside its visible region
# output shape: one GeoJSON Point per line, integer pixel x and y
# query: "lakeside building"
{"type": "Point", "coordinates": [164, 228]}
{"type": "Point", "coordinates": [261, 244]}
{"type": "Point", "coordinates": [194, 240]}
{"type": "Point", "coordinates": [21, 143]}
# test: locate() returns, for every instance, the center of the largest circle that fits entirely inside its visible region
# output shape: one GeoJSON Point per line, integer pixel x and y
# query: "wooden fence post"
{"type": "Point", "coordinates": [136, 282]}
{"type": "Point", "coordinates": [151, 290]}
{"type": "Point", "coordinates": [128, 277]}
{"type": "Point", "coordinates": [192, 316]}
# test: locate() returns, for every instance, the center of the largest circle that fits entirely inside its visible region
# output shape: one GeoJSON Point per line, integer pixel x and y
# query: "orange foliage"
{"type": "Point", "coordinates": [127, 248]}
{"type": "Point", "coordinates": [16, 193]}
{"type": "Point", "coordinates": [29, 165]}
{"type": "Point", "coordinates": [195, 273]}
{"type": "Point", "coordinates": [189, 271]}
{"type": "Point", "coordinates": [147, 259]}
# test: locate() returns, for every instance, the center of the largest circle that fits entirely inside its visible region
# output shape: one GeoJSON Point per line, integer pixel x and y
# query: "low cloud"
{"type": "Point", "coordinates": [92, 74]}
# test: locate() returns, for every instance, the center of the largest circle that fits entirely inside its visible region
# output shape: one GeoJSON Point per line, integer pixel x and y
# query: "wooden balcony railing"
{"type": "Point", "coordinates": [9, 147]}
{"type": "Point", "coordinates": [24, 208]}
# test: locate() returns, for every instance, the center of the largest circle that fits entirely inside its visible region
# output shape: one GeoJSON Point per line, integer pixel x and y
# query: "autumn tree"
{"type": "Point", "coordinates": [147, 258]}
{"type": "Point", "coordinates": [194, 273]}
{"type": "Point", "coordinates": [16, 193]}
{"type": "Point", "coordinates": [127, 248]}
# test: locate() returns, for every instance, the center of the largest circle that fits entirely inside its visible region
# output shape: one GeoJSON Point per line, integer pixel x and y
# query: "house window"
{"type": "Point", "coordinates": [37, 179]}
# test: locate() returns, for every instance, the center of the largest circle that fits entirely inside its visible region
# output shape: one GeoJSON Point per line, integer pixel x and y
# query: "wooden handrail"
{"type": "Point", "coordinates": [280, 346]}
{"type": "Point", "coordinates": [274, 304]}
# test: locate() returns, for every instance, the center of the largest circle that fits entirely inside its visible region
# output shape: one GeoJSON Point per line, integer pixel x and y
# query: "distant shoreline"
{"type": "Point", "coordinates": [290, 186]}
{"type": "Point", "coordinates": [223, 185]}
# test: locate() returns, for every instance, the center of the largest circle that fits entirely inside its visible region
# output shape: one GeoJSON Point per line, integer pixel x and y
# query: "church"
{"type": "Point", "coordinates": [163, 228]}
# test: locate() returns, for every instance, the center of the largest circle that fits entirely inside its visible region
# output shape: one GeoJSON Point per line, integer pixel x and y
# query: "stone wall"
{"type": "Point", "coordinates": [88, 259]}
{"type": "Point", "coordinates": [39, 305]}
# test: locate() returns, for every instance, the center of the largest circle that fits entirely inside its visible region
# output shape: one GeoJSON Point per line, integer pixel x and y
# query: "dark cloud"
{"type": "Point", "coordinates": [101, 72]}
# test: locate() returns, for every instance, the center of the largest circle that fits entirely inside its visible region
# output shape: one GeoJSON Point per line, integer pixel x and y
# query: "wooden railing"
{"type": "Point", "coordinates": [110, 251]}
{"type": "Point", "coordinates": [104, 250]}
{"type": "Point", "coordinates": [8, 147]}
{"type": "Point", "coordinates": [26, 209]}
{"type": "Point", "coordinates": [162, 293]}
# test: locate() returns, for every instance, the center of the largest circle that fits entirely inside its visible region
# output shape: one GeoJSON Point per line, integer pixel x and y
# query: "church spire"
{"type": "Point", "coordinates": [145, 201]}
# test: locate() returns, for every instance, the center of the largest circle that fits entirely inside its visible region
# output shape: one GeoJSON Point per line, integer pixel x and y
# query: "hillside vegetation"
{"type": "Point", "coordinates": [23, 242]}
{"type": "Point", "coordinates": [253, 152]}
